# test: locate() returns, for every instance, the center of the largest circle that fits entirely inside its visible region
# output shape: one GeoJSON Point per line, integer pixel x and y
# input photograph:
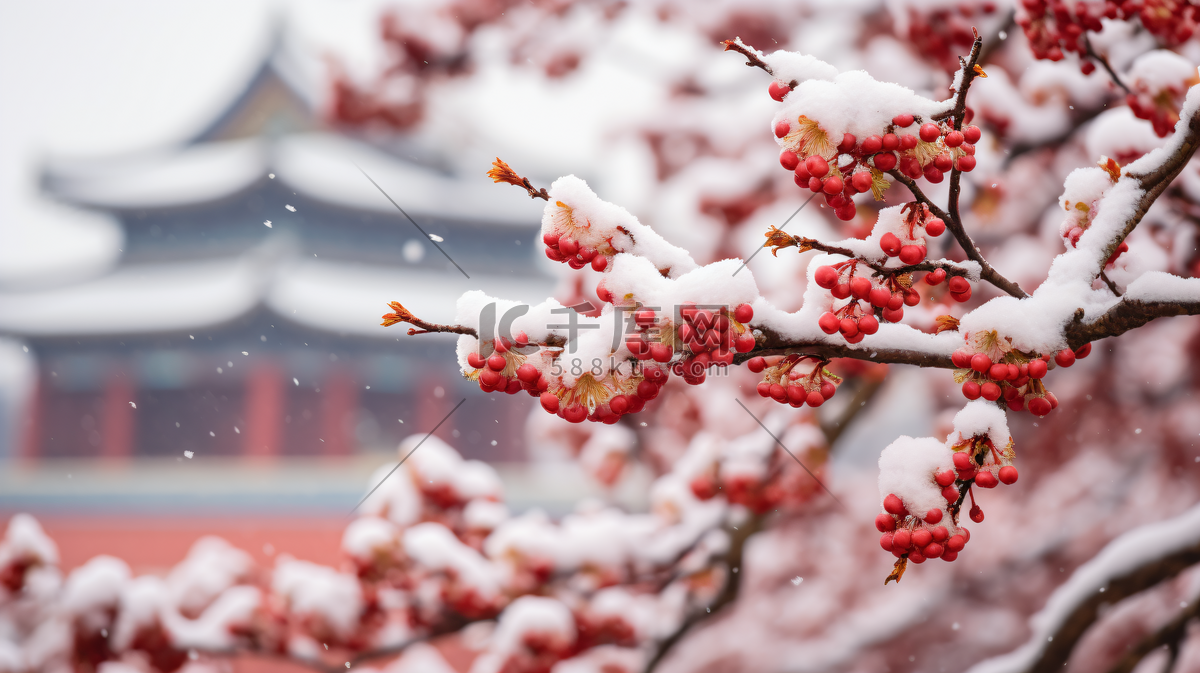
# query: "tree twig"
{"type": "Point", "coordinates": [964, 239]}
{"type": "Point", "coordinates": [502, 172]}
{"type": "Point", "coordinates": [729, 591]}
{"type": "Point", "coordinates": [400, 314]}
{"type": "Point", "coordinates": [834, 429]}
{"type": "Point", "coordinates": [1171, 634]}
{"type": "Point", "coordinates": [753, 56]}
{"type": "Point", "coordinates": [1087, 44]}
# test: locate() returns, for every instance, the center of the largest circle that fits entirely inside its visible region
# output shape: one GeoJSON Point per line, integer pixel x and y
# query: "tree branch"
{"type": "Point", "coordinates": [964, 240]}
{"type": "Point", "coordinates": [1127, 314]}
{"type": "Point", "coordinates": [502, 172]}
{"type": "Point", "coordinates": [753, 56]}
{"type": "Point", "coordinates": [1087, 44]}
{"type": "Point", "coordinates": [779, 239]}
{"type": "Point", "coordinates": [729, 592]}
{"type": "Point", "coordinates": [1154, 181]}
{"type": "Point", "coordinates": [401, 314]}
{"type": "Point", "coordinates": [774, 344]}
{"type": "Point", "coordinates": [1171, 634]}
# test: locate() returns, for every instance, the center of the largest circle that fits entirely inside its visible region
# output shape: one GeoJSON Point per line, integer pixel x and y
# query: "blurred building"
{"type": "Point", "coordinates": [243, 317]}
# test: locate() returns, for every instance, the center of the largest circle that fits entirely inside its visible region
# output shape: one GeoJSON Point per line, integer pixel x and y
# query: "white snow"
{"type": "Point", "coordinates": [907, 467]}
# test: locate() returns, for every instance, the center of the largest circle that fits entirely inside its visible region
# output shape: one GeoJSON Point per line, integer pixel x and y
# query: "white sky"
{"type": "Point", "coordinates": [82, 78]}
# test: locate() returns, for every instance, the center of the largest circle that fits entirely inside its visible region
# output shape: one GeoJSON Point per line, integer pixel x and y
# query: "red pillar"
{"type": "Point", "coordinates": [30, 421]}
{"type": "Point", "coordinates": [264, 411]}
{"type": "Point", "coordinates": [117, 421]}
{"type": "Point", "coordinates": [339, 409]}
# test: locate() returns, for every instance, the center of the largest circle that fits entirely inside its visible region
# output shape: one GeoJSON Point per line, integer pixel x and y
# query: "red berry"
{"type": "Point", "coordinates": [912, 254]}
{"type": "Point", "coordinates": [885, 540]}
{"type": "Point", "coordinates": [828, 390]}
{"type": "Point", "coordinates": [954, 139]}
{"type": "Point", "coordinates": [962, 461]}
{"type": "Point", "coordinates": [600, 263]}
{"type": "Point", "coordinates": [976, 514]}
{"type": "Point", "coordinates": [950, 493]}
{"type": "Point", "coordinates": [981, 363]}
{"type": "Point", "coordinates": [778, 90]}
{"type": "Point", "coordinates": [1083, 351]}
{"type": "Point", "coordinates": [815, 185]}
{"type": "Point", "coordinates": [943, 162]}
{"type": "Point", "coordinates": [944, 478]}
{"type": "Point", "coordinates": [782, 128]}
{"type": "Point", "coordinates": [1039, 406]}
{"type": "Point", "coordinates": [961, 359]}
{"type": "Point", "coordinates": [861, 181]}
{"type": "Point", "coordinates": [475, 361]}
{"type": "Point", "coordinates": [744, 313]}
{"type": "Point", "coordinates": [778, 392]}
{"type": "Point", "coordinates": [961, 297]}
{"type": "Point", "coordinates": [903, 120]}
{"type": "Point", "coordinates": [871, 145]}
{"type": "Point", "coordinates": [847, 144]}
{"type": "Point", "coordinates": [817, 166]}
{"type": "Point", "coordinates": [576, 413]}
{"type": "Point", "coordinates": [636, 344]}
{"type": "Point", "coordinates": [933, 550]}
{"type": "Point", "coordinates": [860, 287]}
{"type": "Point", "coordinates": [908, 141]}
{"type": "Point", "coordinates": [932, 174]}
{"type": "Point", "coordinates": [929, 132]}
{"type": "Point", "coordinates": [549, 402]}
{"type": "Point", "coordinates": [934, 515]}
{"type": "Point", "coordinates": [893, 314]}
{"type": "Point", "coordinates": [833, 185]}
{"type": "Point", "coordinates": [890, 244]}
{"type": "Point", "coordinates": [965, 163]}
{"type": "Point", "coordinates": [893, 504]}
{"type": "Point", "coordinates": [815, 399]}
{"type": "Point", "coordinates": [912, 297]}
{"type": "Point", "coordinates": [986, 480]}
{"type": "Point", "coordinates": [764, 389]}
{"type": "Point", "coordinates": [490, 378]}
{"type": "Point", "coordinates": [497, 362]}
{"type": "Point", "coordinates": [890, 141]}
{"type": "Point", "coordinates": [828, 323]}
{"type": "Point", "coordinates": [619, 404]}
{"type": "Point", "coordinates": [848, 328]}
{"type": "Point", "coordinates": [797, 395]}
{"type": "Point", "coordinates": [935, 227]}
{"type": "Point", "coordinates": [551, 240]}
{"type": "Point", "coordinates": [879, 297]}
{"type": "Point", "coordinates": [958, 284]}
{"type": "Point", "coordinates": [972, 134]}
{"type": "Point", "coordinates": [744, 343]}
{"type": "Point", "coordinates": [826, 277]}
{"type": "Point", "coordinates": [647, 390]}
{"type": "Point", "coordinates": [921, 537]}
{"type": "Point", "coordinates": [956, 543]}
{"type": "Point", "coordinates": [868, 324]}
{"type": "Point", "coordinates": [555, 255]}
{"type": "Point", "coordinates": [902, 539]}
{"type": "Point", "coordinates": [998, 372]}
{"type": "Point", "coordinates": [661, 352]}
{"type": "Point", "coordinates": [949, 556]}
{"type": "Point", "coordinates": [757, 364]}
{"type": "Point", "coordinates": [528, 373]}
{"type": "Point", "coordinates": [1008, 474]}
{"type": "Point", "coordinates": [940, 533]}
{"type": "Point", "coordinates": [885, 161]}
{"type": "Point", "coordinates": [1065, 358]}
{"type": "Point", "coordinates": [840, 291]}
{"type": "Point", "coordinates": [990, 391]}
{"type": "Point", "coordinates": [789, 160]}
{"type": "Point", "coordinates": [916, 557]}
{"type": "Point", "coordinates": [602, 292]}
{"type": "Point", "coordinates": [1053, 400]}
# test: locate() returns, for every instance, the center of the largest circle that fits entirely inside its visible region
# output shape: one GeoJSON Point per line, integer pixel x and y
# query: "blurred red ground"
{"type": "Point", "coordinates": [154, 544]}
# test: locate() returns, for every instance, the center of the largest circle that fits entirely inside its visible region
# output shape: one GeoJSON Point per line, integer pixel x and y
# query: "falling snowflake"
{"type": "Point", "coordinates": [268, 223]}
{"type": "Point", "coordinates": [133, 405]}
{"type": "Point", "coordinates": [188, 454]}
{"type": "Point", "coordinates": [290, 207]}
{"type": "Point", "coordinates": [435, 237]}
{"type": "Point", "coordinates": [797, 580]}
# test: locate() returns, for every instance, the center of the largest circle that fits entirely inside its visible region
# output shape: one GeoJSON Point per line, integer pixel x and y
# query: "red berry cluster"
{"type": "Point", "coordinates": [936, 32]}
{"type": "Point", "coordinates": [1016, 377]}
{"type": "Point", "coordinates": [562, 248]}
{"type": "Point", "coordinates": [640, 389]}
{"type": "Point", "coordinates": [785, 484]}
{"type": "Point", "coordinates": [977, 462]}
{"type": "Point", "coordinates": [937, 149]}
{"type": "Point", "coordinates": [918, 537]}
{"type": "Point", "coordinates": [1158, 106]}
{"type": "Point", "coordinates": [1055, 27]}
{"type": "Point", "coordinates": [504, 370]}
{"type": "Point", "coordinates": [711, 339]}
{"type": "Point", "coordinates": [889, 295]}
{"type": "Point", "coordinates": [786, 383]}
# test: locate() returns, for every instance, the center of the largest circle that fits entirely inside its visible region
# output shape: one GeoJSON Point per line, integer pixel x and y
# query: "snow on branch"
{"type": "Point", "coordinates": [1129, 565]}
